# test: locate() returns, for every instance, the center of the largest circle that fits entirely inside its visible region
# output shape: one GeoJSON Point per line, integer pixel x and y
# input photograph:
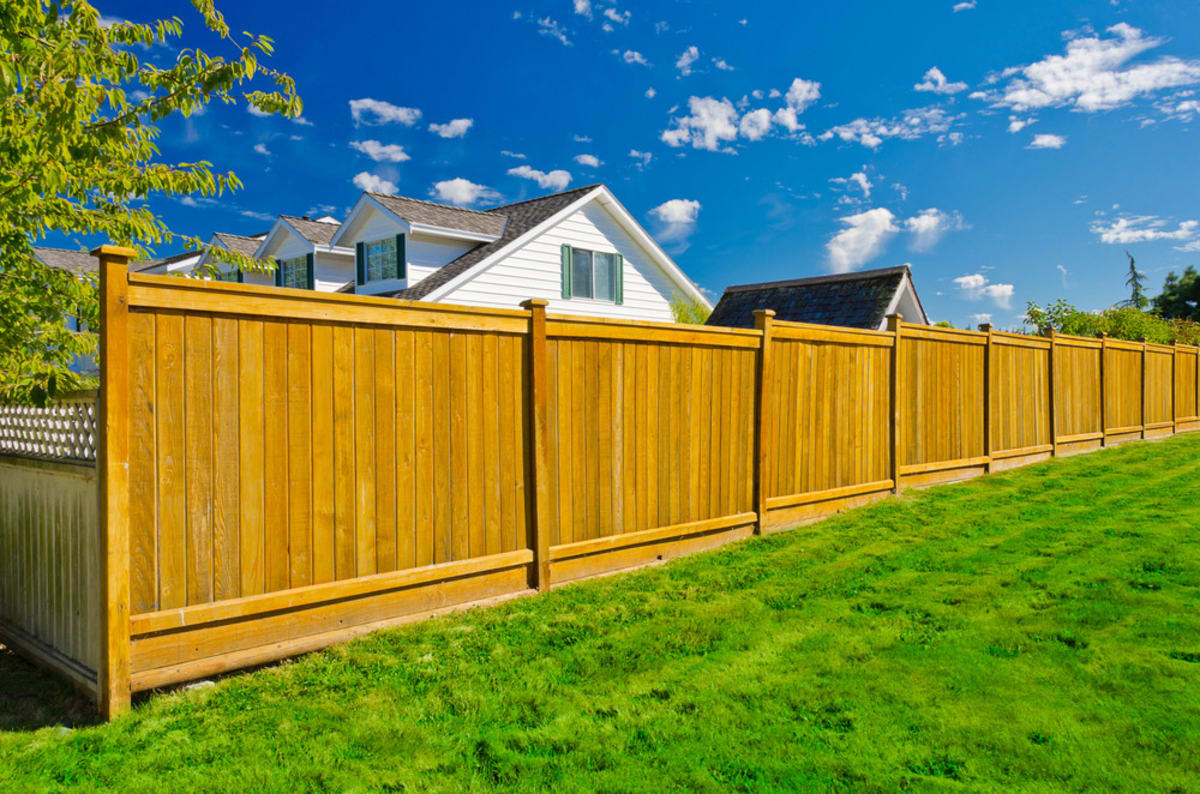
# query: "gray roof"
{"type": "Point", "coordinates": [319, 232]}
{"type": "Point", "coordinates": [522, 216]}
{"type": "Point", "coordinates": [150, 264]}
{"type": "Point", "coordinates": [66, 259]}
{"type": "Point", "coordinates": [442, 215]}
{"type": "Point", "coordinates": [853, 300]}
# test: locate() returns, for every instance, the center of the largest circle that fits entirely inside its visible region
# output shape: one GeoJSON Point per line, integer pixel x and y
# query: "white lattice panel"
{"type": "Point", "coordinates": [65, 430]}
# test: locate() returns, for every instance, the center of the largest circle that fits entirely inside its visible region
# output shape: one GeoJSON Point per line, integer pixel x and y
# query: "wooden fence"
{"type": "Point", "coordinates": [283, 469]}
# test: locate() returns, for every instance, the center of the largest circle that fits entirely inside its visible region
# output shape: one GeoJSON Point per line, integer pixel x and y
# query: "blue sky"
{"type": "Point", "coordinates": [1009, 151]}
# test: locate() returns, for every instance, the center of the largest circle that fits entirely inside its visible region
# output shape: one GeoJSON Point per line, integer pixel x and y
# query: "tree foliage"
{"type": "Point", "coordinates": [1119, 322]}
{"type": "Point", "coordinates": [1136, 281]}
{"type": "Point", "coordinates": [687, 310]}
{"type": "Point", "coordinates": [78, 110]}
{"type": "Point", "coordinates": [1180, 297]}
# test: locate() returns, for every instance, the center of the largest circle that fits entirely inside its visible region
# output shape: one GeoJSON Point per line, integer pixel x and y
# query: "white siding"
{"type": "Point", "coordinates": [535, 271]}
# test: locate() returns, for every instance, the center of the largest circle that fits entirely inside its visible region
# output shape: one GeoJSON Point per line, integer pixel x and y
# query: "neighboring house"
{"type": "Point", "coordinates": [853, 300]}
{"type": "Point", "coordinates": [304, 255]}
{"type": "Point", "coordinates": [79, 262]}
{"type": "Point", "coordinates": [177, 263]}
{"type": "Point", "coordinates": [246, 246]}
{"type": "Point", "coordinates": [580, 249]}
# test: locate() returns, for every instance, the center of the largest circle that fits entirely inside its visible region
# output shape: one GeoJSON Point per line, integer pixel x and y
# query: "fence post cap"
{"type": "Point", "coordinates": [535, 303]}
{"type": "Point", "coordinates": [1102, 335]}
{"type": "Point", "coordinates": [985, 327]}
{"type": "Point", "coordinates": [764, 312]}
{"type": "Point", "coordinates": [1143, 339]}
{"type": "Point", "coordinates": [113, 252]}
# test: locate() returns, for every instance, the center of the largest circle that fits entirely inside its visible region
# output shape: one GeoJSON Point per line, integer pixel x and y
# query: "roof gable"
{"type": "Point", "coordinates": [853, 300]}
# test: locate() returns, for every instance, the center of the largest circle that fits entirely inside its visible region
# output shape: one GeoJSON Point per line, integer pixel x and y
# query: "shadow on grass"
{"type": "Point", "coordinates": [31, 698]}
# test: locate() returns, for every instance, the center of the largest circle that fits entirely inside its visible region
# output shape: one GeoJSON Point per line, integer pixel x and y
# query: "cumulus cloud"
{"type": "Point", "coordinates": [1047, 141]}
{"type": "Point", "coordinates": [364, 180]}
{"type": "Point", "coordinates": [1016, 123]}
{"type": "Point", "coordinates": [934, 81]}
{"type": "Point", "coordinates": [909, 125]}
{"type": "Point", "coordinates": [584, 8]}
{"type": "Point", "coordinates": [514, 155]}
{"type": "Point", "coordinates": [976, 286]}
{"type": "Point", "coordinates": [455, 128]}
{"type": "Point", "coordinates": [676, 220]}
{"type": "Point", "coordinates": [462, 192]}
{"type": "Point", "coordinates": [966, 5]}
{"type": "Point", "coordinates": [722, 64]}
{"type": "Point", "coordinates": [261, 148]}
{"type": "Point", "coordinates": [755, 124]}
{"type": "Point", "coordinates": [1094, 74]}
{"type": "Point", "coordinates": [633, 56]}
{"type": "Point", "coordinates": [858, 179]}
{"type": "Point", "coordinates": [374, 111]}
{"type": "Point", "coordinates": [379, 152]}
{"type": "Point", "coordinates": [711, 122]}
{"type": "Point", "coordinates": [590, 160]}
{"type": "Point", "coordinates": [552, 180]}
{"type": "Point", "coordinates": [1141, 229]}
{"type": "Point", "coordinates": [619, 17]}
{"type": "Point", "coordinates": [650, 92]}
{"type": "Point", "coordinates": [643, 158]}
{"type": "Point", "coordinates": [551, 28]}
{"type": "Point", "coordinates": [685, 61]}
{"type": "Point", "coordinates": [801, 94]}
{"type": "Point", "coordinates": [864, 238]}
{"type": "Point", "coordinates": [930, 225]}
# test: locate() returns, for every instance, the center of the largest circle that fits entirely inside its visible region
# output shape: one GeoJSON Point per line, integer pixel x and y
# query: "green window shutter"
{"type": "Point", "coordinates": [279, 272]}
{"type": "Point", "coordinates": [312, 273]}
{"type": "Point", "coordinates": [566, 270]}
{"type": "Point", "coordinates": [401, 257]}
{"type": "Point", "coordinates": [360, 263]}
{"type": "Point", "coordinates": [241, 276]}
{"type": "Point", "coordinates": [619, 279]}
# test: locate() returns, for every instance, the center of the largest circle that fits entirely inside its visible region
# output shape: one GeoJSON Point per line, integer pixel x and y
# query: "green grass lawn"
{"type": "Point", "coordinates": [1035, 630]}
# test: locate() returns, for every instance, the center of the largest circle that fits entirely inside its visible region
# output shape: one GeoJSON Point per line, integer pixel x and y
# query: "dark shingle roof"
{"type": "Point", "coordinates": [853, 300]}
{"type": "Point", "coordinates": [442, 215]}
{"type": "Point", "coordinates": [66, 259]}
{"type": "Point", "coordinates": [150, 264]}
{"type": "Point", "coordinates": [522, 216]}
{"type": "Point", "coordinates": [319, 232]}
{"type": "Point", "coordinates": [239, 243]}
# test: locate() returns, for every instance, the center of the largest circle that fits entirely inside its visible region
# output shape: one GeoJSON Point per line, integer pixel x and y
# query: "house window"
{"type": "Point", "coordinates": [294, 272]}
{"type": "Point", "coordinates": [380, 260]}
{"type": "Point", "coordinates": [593, 274]}
{"type": "Point", "coordinates": [232, 274]}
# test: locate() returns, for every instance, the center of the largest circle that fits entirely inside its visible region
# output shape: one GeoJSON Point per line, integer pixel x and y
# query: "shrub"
{"type": "Point", "coordinates": [1123, 322]}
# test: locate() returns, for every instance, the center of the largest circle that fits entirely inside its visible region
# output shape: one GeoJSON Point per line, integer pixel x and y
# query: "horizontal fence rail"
{"type": "Point", "coordinates": [282, 469]}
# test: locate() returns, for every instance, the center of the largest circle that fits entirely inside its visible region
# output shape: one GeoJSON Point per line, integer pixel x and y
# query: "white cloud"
{"type": "Point", "coordinates": [685, 61]}
{"type": "Point", "coordinates": [643, 158]}
{"type": "Point", "coordinates": [800, 96]}
{"type": "Point", "coordinates": [258, 216]}
{"type": "Point", "coordinates": [1141, 229]}
{"type": "Point", "coordinates": [650, 92]}
{"type": "Point", "coordinates": [584, 8]}
{"type": "Point", "coordinates": [966, 5]}
{"type": "Point", "coordinates": [462, 192]}
{"type": "Point", "coordinates": [755, 124]}
{"type": "Point", "coordinates": [374, 111]}
{"type": "Point", "coordinates": [676, 221]}
{"type": "Point", "coordinates": [379, 152]}
{"type": "Point", "coordinates": [1193, 246]}
{"type": "Point", "coordinates": [976, 287]}
{"type": "Point", "coordinates": [858, 178]}
{"type": "Point", "coordinates": [552, 180]}
{"type": "Point", "coordinates": [633, 56]}
{"type": "Point", "coordinates": [1093, 75]}
{"type": "Point", "coordinates": [367, 181]}
{"type": "Point", "coordinates": [1016, 123]}
{"type": "Point", "coordinates": [935, 82]}
{"type": "Point", "coordinates": [709, 122]}
{"type": "Point", "coordinates": [930, 225]}
{"type": "Point", "coordinates": [950, 139]}
{"type": "Point", "coordinates": [910, 125]}
{"type": "Point", "coordinates": [1047, 141]}
{"type": "Point", "coordinates": [619, 17]}
{"type": "Point", "coordinates": [743, 22]}
{"type": "Point", "coordinates": [582, 139]}
{"type": "Point", "coordinates": [261, 148]}
{"type": "Point", "coordinates": [455, 128]}
{"type": "Point", "coordinates": [721, 64]}
{"type": "Point", "coordinates": [514, 155]}
{"type": "Point", "coordinates": [551, 28]}
{"type": "Point", "coordinates": [864, 238]}
{"type": "Point", "coordinates": [1062, 272]}
{"type": "Point", "coordinates": [981, 318]}
{"type": "Point", "coordinates": [590, 160]}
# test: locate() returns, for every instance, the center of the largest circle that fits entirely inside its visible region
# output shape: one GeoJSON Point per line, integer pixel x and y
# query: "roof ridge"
{"type": "Point", "coordinates": [430, 203]}
{"type": "Point", "coordinates": [828, 278]}
{"type": "Point", "coordinates": [56, 248]}
{"type": "Point", "coordinates": [592, 186]}
{"type": "Point", "coordinates": [309, 220]}
{"type": "Point", "coordinates": [234, 234]}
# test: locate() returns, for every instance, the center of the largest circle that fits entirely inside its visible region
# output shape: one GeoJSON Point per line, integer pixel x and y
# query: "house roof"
{"type": "Point", "coordinates": [150, 264]}
{"type": "Point", "coordinates": [413, 210]}
{"type": "Point", "coordinates": [319, 232]}
{"type": "Point", "coordinates": [239, 243]}
{"type": "Point", "coordinates": [521, 217]}
{"type": "Point", "coordinates": [853, 300]}
{"type": "Point", "coordinates": [66, 259]}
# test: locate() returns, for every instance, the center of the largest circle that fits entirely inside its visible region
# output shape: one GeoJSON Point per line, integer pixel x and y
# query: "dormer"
{"type": "Point", "coordinates": [304, 255]}
{"type": "Point", "coordinates": [397, 241]}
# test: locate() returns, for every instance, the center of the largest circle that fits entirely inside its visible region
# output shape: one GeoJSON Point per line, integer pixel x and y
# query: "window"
{"type": "Point", "coordinates": [233, 274]}
{"type": "Point", "coordinates": [593, 275]}
{"type": "Point", "coordinates": [380, 260]}
{"type": "Point", "coordinates": [293, 272]}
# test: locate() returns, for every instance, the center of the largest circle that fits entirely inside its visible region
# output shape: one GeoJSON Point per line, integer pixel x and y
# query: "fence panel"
{"type": "Point", "coordinates": [1019, 395]}
{"type": "Point", "coordinates": [1187, 393]}
{"type": "Point", "coordinates": [1159, 390]}
{"type": "Point", "coordinates": [941, 393]}
{"type": "Point", "coordinates": [1078, 415]}
{"type": "Point", "coordinates": [1122, 389]}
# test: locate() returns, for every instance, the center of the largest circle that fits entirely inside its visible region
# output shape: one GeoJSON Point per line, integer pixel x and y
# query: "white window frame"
{"type": "Point", "coordinates": [382, 247]}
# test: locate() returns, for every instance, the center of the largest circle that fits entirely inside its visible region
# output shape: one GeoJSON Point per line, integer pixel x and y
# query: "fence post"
{"type": "Point", "coordinates": [1174, 386]}
{"type": "Point", "coordinates": [762, 321]}
{"type": "Point", "coordinates": [987, 395]}
{"type": "Point", "coordinates": [1050, 393]}
{"type": "Point", "coordinates": [1143, 341]}
{"type": "Point", "coordinates": [537, 423]}
{"type": "Point", "coordinates": [113, 460]}
{"type": "Point", "coordinates": [894, 326]}
{"type": "Point", "coordinates": [1103, 391]}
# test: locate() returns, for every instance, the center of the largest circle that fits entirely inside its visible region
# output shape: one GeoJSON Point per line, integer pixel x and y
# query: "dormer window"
{"type": "Point", "coordinates": [381, 260]}
{"type": "Point", "coordinates": [296, 273]}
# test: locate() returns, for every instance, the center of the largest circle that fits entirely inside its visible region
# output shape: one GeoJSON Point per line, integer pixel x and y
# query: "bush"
{"type": "Point", "coordinates": [1125, 322]}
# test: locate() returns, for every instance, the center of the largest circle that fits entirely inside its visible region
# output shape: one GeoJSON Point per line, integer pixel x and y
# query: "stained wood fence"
{"type": "Point", "coordinates": [280, 470]}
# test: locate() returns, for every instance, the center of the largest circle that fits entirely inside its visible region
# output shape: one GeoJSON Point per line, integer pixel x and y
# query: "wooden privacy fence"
{"type": "Point", "coordinates": [281, 469]}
